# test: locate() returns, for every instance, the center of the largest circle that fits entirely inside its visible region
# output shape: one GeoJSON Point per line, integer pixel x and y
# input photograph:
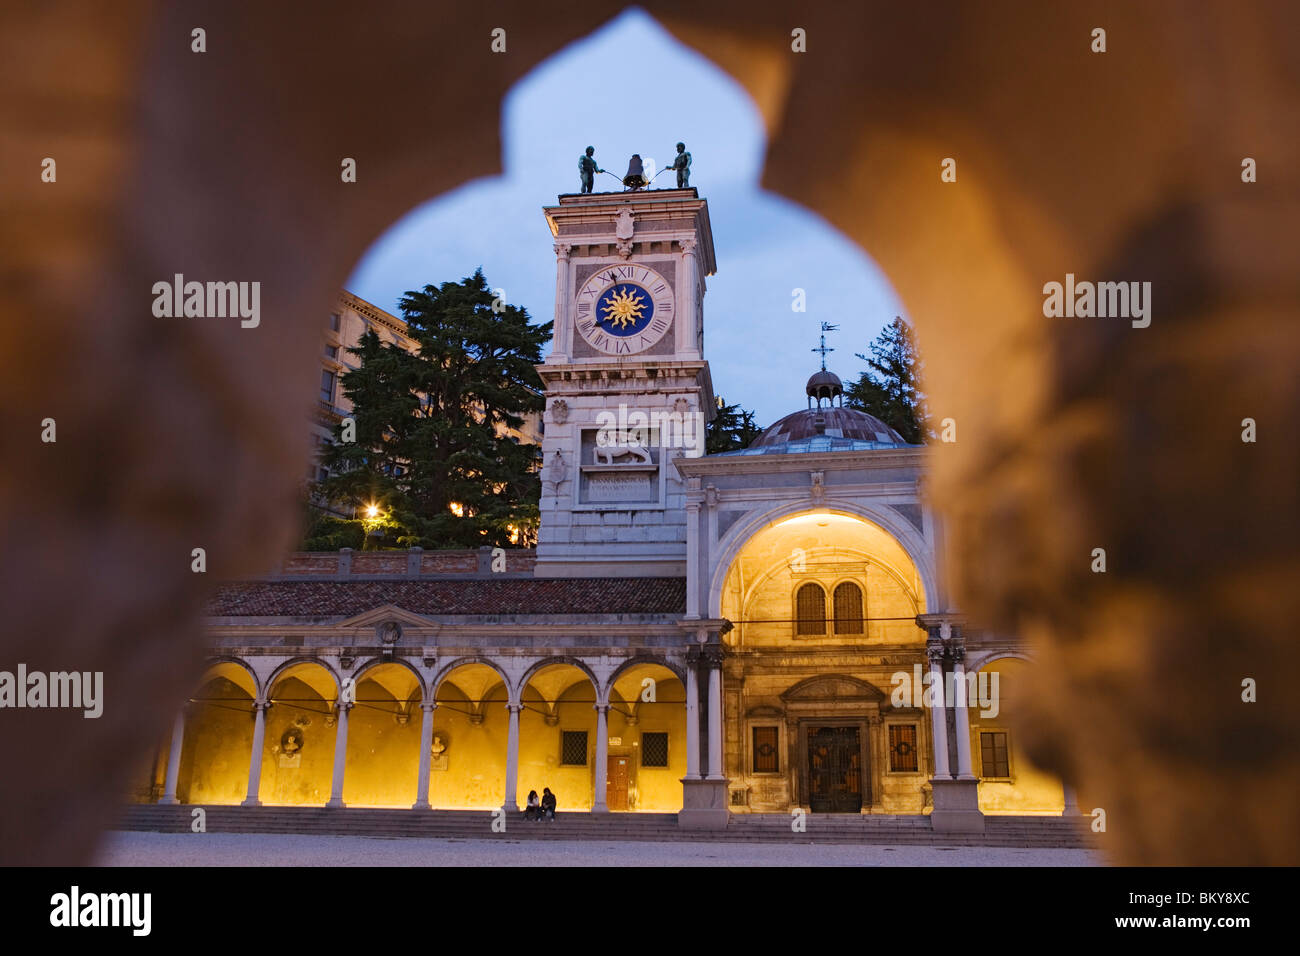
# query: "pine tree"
{"type": "Point", "coordinates": [890, 388]}
{"type": "Point", "coordinates": [432, 449]}
{"type": "Point", "coordinates": [733, 428]}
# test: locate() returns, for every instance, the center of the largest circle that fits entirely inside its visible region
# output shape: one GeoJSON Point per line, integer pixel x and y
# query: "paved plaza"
{"type": "Point", "coordinates": [256, 849]}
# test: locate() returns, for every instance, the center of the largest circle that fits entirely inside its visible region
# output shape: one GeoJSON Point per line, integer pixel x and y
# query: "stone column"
{"type": "Point", "coordinates": [174, 759]}
{"type": "Point", "coordinates": [692, 718]}
{"type": "Point", "coordinates": [426, 743]}
{"type": "Point", "coordinates": [714, 663]}
{"type": "Point", "coordinates": [340, 755]}
{"type": "Point", "coordinates": [692, 551]}
{"type": "Point", "coordinates": [688, 330]}
{"type": "Point", "coordinates": [253, 797]}
{"type": "Point", "coordinates": [704, 799]}
{"type": "Point", "coordinates": [879, 750]}
{"type": "Point", "coordinates": [598, 797]}
{"type": "Point", "coordinates": [564, 336]}
{"type": "Point", "coordinates": [961, 706]}
{"type": "Point", "coordinates": [938, 715]}
{"type": "Point", "coordinates": [1071, 801]}
{"type": "Point", "coordinates": [511, 804]}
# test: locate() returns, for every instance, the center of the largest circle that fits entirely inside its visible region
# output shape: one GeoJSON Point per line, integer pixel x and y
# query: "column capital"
{"type": "Point", "coordinates": [601, 709]}
{"type": "Point", "coordinates": [514, 708]}
{"type": "Point", "coordinates": [262, 705]}
{"type": "Point", "coordinates": [935, 653]}
{"type": "Point", "coordinates": [711, 656]}
{"type": "Point", "coordinates": [428, 706]}
{"type": "Point", "coordinates": [343, 706]}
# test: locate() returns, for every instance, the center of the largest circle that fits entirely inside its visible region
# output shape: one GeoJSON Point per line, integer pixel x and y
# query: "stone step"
{"type": "Point", "coordinates": [658, 827]}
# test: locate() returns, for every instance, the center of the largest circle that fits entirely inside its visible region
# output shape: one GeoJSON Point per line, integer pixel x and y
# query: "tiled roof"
{"type": "Point", "coordinates": [474, 596]}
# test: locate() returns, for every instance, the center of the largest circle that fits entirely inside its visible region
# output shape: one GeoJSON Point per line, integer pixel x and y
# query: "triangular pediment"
{"type": "Point", "coordinates": [833, 687]}
{"type": "Point", "coordinates": [385, 613]}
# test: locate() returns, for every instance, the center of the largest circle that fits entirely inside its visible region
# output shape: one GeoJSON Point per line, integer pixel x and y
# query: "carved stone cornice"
{"type": "Point", "coordinates": [878, 459]}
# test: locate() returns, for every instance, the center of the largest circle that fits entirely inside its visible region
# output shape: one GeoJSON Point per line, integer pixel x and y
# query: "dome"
{"type": "Point", "coordinates": [847, 423]}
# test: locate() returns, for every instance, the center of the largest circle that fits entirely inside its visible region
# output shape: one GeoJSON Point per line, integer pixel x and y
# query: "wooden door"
{"type": "Point", "coordinates": [616, 783]}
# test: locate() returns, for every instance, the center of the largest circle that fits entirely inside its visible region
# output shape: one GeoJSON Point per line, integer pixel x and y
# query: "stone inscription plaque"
{"type": "Point", "coordinates": [615, 488]}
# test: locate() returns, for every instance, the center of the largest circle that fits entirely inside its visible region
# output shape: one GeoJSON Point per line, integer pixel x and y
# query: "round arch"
{"type": "Point", "coordinates": [224, 666]}
{"type": "Point", "coordinates": [979, 661]}
{"type": "Point", "coordinates": [642, 659]}
{"type": "Point", "coordinates": [447, 669]}
{"type": "Point", "coordinates": [894, 525]}
{"type": "Point", "coordinates": [374, 663]}
{"type": "Point", "coordinates": [294, 663]}
{"type": "Point", "coordinates": [546, 662]}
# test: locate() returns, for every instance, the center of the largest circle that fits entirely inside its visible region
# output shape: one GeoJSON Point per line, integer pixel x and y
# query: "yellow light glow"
{"type": "Point", "coordinates": [372, 511]}
{"type": "Point", "coordinates": [456, 508]}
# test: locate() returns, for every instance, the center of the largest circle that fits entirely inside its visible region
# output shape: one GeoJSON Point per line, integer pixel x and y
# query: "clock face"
{"type": "Point", "coordinates": [624, 309]}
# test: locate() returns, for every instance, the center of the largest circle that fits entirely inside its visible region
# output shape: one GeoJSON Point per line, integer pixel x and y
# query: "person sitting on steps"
{"type": "Point", "coordinates": [534, 809]}
{"type": "Point", "coordinates": [548, 804]}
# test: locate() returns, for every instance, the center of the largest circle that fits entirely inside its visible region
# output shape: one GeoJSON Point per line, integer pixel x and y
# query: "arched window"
{"type": "Point", "coordinates": [848, 608]}
{"type": "Point", "coordinates": [810, 609]}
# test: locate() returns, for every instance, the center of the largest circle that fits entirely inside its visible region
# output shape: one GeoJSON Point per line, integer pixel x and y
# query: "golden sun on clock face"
{"type": "Point", "coordinates": [624, 309]}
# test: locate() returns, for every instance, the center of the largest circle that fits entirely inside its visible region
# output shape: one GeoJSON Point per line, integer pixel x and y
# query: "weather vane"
{"type": "Point", "coordinates": [826, 327]}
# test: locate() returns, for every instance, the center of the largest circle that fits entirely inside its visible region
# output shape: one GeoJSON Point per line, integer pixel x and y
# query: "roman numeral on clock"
{"type": "Point", "coordinates": [658, 325]}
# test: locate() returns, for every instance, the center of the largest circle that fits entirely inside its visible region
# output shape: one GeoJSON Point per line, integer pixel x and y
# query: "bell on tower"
{"type": "Point", "coordinates": [635, 178]}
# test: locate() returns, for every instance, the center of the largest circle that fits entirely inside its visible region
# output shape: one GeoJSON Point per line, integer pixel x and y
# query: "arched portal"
{"type": "Point", "coordinates": [558, 734]}
{"type": "Point", "coordinates": [301, 727]}
{"type": "Point", "coordinates": [218, 729]}
{"type": "Point", "coordinates": [467, 761]}
{"type": "Point", "coordinates": [782, 582]}
{"type": "Point", "coordinates": [647, 738]}
{"type": "Point", "coordinates": [384, 737]}
{"type": "Point", "coordinates": [823, 604]}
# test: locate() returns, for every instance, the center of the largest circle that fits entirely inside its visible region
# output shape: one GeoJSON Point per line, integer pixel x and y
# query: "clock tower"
{"type": "Point", "coordinates": [627, 386]}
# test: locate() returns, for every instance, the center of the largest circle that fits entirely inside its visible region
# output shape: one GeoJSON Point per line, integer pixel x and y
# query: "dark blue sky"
{"type": "Point", "coordinates": [631, 88]}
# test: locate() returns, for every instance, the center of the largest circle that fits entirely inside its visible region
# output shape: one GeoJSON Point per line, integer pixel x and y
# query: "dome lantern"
{"type": "Point", "coordinates": [824, 385]}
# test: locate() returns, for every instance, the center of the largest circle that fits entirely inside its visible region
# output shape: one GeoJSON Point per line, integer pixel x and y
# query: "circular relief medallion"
{"type": "Point", "coordinates": [624, 309]}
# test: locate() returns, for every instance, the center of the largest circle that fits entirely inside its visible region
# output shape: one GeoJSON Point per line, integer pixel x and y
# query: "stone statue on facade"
{"type": "Point", "coordinates": [587, 169]}
{"type": "Point", "coordinates": [682, 163]}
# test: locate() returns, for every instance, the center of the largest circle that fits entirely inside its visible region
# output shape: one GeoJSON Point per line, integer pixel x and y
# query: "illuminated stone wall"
{"type": "Point", "coordinates": [218, 745]}
{"type": "Point", "coordinates": [1029, 789]}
